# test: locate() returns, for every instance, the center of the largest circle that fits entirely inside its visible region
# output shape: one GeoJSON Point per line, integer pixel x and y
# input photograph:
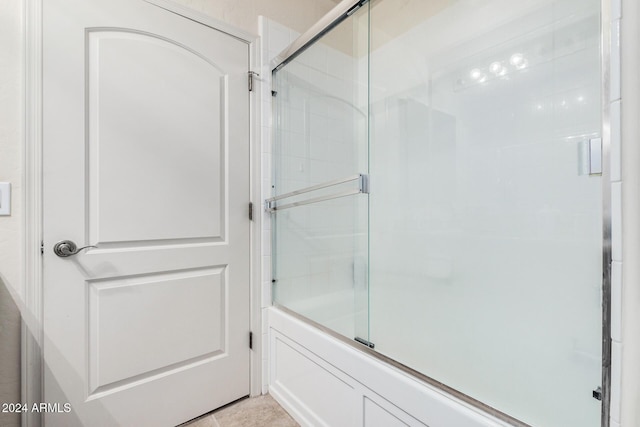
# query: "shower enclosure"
{"type": "Point", "coordinates": [438, 197]}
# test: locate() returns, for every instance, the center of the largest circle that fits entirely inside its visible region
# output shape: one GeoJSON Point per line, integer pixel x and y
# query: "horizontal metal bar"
{"type": "Point", "coordinates": [315, 187]}
{"type": "Point", "coordinates": [315, 200]}
{"type": "Point", "coordinates": [344, 9]}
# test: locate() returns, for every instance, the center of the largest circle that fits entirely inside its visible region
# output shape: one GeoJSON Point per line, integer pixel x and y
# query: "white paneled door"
{"type": "Point", "coordinates": [146, 157]}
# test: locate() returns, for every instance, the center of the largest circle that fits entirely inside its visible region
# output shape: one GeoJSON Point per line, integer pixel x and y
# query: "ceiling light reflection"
{"type": "Point", "coordinates": [517, 60]}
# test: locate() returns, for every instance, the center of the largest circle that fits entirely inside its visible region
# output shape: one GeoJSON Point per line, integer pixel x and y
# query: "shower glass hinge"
{"type": "Point", "coordinates": [364, 183]}
{"type": "Point", "coordinates": [365, 342]}
{"type": "Point", "coordinates": [251, 74]}
{"type": "Point", "coordinates": [597, 393]}
{"type": "Point", "coordinates": [270, 205]}
{"type": "Point", "coordinates": [41, 247]}
{"type": "Point", "coordinates": [250, 211]}
{"type": "Point", "coordinates": [250, 340]}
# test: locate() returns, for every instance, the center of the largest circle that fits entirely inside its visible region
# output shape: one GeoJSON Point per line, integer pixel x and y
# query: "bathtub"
{"type": "Point", "coordinates": [323, 381]}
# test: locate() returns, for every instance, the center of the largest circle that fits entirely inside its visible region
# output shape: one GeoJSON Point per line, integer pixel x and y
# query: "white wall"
{"type": "Point", "coordinates": [11, 171]}
{"type": "Point", "coordinates": [298, 15]}
{"type": "Point", "coordinates": [274, 37]}
{"type": "Point", "coordinates": [629, 347]}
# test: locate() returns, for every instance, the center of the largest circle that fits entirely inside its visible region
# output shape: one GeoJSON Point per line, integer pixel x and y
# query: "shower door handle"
{"type": "Point", "coordinates": [66, 248]}
{"type": "Point", "coordinates": [363, 187]}
{"type": "Point", "coordinates": [595, 156]}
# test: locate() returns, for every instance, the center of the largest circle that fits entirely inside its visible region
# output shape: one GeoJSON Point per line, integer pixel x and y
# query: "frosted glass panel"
{"type": "Point", "coordinates": [320, 253]}
{"type": "Point", "coordinates": [485, 225]}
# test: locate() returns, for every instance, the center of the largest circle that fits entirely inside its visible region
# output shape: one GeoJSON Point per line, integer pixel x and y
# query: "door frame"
{"type": "Point", "coordinates": [32, 362]}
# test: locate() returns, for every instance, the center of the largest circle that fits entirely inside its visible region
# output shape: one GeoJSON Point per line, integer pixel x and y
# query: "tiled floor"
{"type": "Point", "coordinates": [260, 411]}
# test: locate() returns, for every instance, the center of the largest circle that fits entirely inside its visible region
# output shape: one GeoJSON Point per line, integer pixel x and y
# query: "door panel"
{"type": "Point", "coordinates": [146, 157]}
{"type": "Point", "coordinates": [128, 67]}
{"type": "Point", "coordinates": [131, 335]}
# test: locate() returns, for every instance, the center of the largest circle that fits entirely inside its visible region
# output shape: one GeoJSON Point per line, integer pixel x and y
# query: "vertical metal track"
{"type": "Point", "coordinates": [605, 40]}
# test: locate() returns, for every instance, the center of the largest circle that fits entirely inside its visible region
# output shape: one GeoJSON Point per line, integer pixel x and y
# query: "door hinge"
{"type": "Point", "coordinates": [41, 247]}
{"type": "Point", "coordinates": [250, 211]}
{"type": "Point", "coordinates": [251, 340]}
{"type": "Point", "coordinates": [251, 74]}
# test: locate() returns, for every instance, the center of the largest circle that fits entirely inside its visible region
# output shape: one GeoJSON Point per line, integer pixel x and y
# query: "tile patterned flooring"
{"type": "Point", "coordinates": [261, 411]}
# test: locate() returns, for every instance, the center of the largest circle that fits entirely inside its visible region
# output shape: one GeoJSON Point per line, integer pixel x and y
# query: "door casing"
{"type": "Point", "coordinates": [32, 338]}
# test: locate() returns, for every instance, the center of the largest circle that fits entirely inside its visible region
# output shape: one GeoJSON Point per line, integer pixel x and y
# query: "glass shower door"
{"type": "Point", "coordinates": [320, 218]}
{"type": "Point", "coordinates": [485, 204]}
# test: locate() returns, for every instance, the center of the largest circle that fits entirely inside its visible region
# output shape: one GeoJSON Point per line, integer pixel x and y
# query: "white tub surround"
{"type": "Point", "coordinates": [321, 381]}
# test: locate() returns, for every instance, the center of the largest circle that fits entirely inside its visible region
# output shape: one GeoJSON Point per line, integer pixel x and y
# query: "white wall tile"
{"type": "Point", "coordinates": [337, 62]}
{"type": "Point", "coordinates": [318, 126]}
{"type": "Point", "coordinates": [266, 139]}
{"type": "Point", "coordinates": [297, 121]}
{"type": "Point", "coordinates": [293, 35]}
{"type": "Point", "coordinates": [616, 9]}
{"type": "Point", "coordinates": [266, 189]}
{"type": "Point", "coordinates": [317, 57]}
{"type": "Point", "coordinates": [266, 242]}
{"type": "Point", "coordinates": [616, 221]}
{"type": "Point", "coordinates": [273, 53]}
{"type": "Point", "coordinates": [265, 375]}
{"type": "Point", "coordinates": [266, 112]}
{"type": "Point", "coordinates": [266, 273]}
{"type": "Point", "coordinates": [266, 293]}
{"type": "Point", "coordinates": [265, 338]}
{"type": "Point", "coordinates": [265, 86]}
{"type": "Point", "coordinates": [616, 142]}
{"type": "Point", "coordinates": [265, 55]}
{"type": "Point", "coordinates": [265, 329]}
{"type": "Point", "coordinates": [615, 92]}
{"type": "Point", "coordinates": [256, 130]}
{"type": "Point", "coordinates": [318, 149]}
{"type": "Point", "coordinates": [266, 218]}
{"type": "Point", "coordinates": [278, 37]}
{"type": "Point", "coordinates": [266, 287]}
{"type": "Point", "coordinates": [266, 165]}
{"type": "Point", "coordinates": [616, 301]}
